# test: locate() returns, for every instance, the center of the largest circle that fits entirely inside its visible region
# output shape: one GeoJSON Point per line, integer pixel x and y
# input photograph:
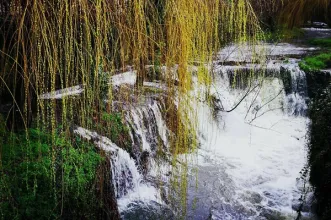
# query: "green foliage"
{"type": "Point", "coordinates": [286, 60]}
{"type": "Point", "coordinates": [47, 177]}
{"type": "Point", "coordinates": [103, 80]}
{"type": "Point", "coordinates": [315, 63]}
{"type": "Point", "coordinates": [113, 127]}
{"type": "Point", "coordinates": [322, 42]}
{"type": "Point", "coordinates": [320, 152]}
{"type": "Point", "coordinates": [116, 127]}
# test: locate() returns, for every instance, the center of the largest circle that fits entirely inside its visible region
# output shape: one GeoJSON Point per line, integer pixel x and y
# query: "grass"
{"type": "Point", "coordinates": [316, 63]}
{"type": "Point", "coordinates": [319, 61]}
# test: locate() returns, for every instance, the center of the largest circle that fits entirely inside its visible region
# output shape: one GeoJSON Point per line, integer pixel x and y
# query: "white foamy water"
{"type": "Point", "coordinates": [250, 158]}
{"type": "Point", "coordinates": [128, 77]}
{"type": "Point", "coordinates": [149, 132]}
{"type": "Point", "coordinates": [127, 181]}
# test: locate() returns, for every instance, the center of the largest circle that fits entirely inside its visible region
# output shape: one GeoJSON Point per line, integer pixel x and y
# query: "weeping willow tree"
{"type": "Point", "coordinates": [51, 45]}
{"type": "Point", "coordinates": [297, 12]}
{"type": "Point", "coordinates": [267, 12]}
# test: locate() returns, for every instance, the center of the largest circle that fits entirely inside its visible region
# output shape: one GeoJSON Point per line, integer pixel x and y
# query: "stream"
{"type": "Point", "coordinates": [249, 160]}
{"type": "Point", "coordinates": [252, 142]}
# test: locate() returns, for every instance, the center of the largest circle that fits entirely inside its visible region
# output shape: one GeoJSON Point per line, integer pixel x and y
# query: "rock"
{"type": "Point", "coordinates": [148, 212]}
{"type": "Point", "coordinates": [144, 158]}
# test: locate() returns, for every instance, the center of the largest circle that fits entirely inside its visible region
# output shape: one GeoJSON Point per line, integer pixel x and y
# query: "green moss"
{"type": "Point", "coordinates": [116, 127]}
{"type": "Point", "coordinates": [315, 63]}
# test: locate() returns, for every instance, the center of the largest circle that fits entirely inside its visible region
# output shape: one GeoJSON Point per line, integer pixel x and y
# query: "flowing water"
{"type": "Point", "coordinates": [249, 158]}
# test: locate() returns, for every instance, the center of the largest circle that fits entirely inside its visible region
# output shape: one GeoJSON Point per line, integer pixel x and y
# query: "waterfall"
{"type": "Point", "coordinates": [125, 175]}
{"type": "Point", "coordinates": [250, 158]}
{"type": "Point", "coordinates": [251, 142]}
{"type": "Point", "coordinates": [148, 127]}
{"type": "Point", "coordinates": [297, 93]}
{"type": "Point", "coordinates": [148, 132]}
{"type": "Point", "coordinates": [251, 146]}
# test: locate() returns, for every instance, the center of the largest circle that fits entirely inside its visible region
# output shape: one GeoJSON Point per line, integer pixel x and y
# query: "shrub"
{"type": "Point", "coordinates": [47, 177]}
{"type": "Point", "coordinates": [113, 126]}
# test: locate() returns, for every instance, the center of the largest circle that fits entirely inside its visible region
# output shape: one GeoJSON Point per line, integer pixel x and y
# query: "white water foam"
{"type": "Point", "coordinates": [248, 165]}
{"type": "Point", "coordinates": [128, 183]}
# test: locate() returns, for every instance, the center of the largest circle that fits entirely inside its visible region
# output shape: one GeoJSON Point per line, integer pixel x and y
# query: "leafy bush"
{"type": "Point", "coordinates": [315, 63]}
{"type": "Point", "coordinates": [47, 177]}
{"type": "Point", "coordinates": [320, 152]}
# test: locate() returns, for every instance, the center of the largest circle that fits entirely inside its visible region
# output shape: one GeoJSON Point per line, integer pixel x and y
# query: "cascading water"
{"type": "Point", "coordinates": [147, 126]}
{"type": "Point", "coordinates": [250, 157]}
{"type": "Point", "coordinates": [131, 178]}
{"type": "Point", "coordinates": [297, 93]}
{"type": "Point", "coordinates": [149, 134]}
{"type": "Point", "coordinates": [125, 175]}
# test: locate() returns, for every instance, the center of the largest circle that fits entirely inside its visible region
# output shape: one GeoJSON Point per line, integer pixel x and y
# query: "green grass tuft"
{"type": "Point", "coordinates": [316, 63]}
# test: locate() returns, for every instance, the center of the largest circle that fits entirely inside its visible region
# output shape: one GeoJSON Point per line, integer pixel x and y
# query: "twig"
{"type": "Point", "coordinates": [255, 116]}
{"type": "Point", "coordinates": [257, 93]}
{"type": "Point", "coordinates": [247, 93]}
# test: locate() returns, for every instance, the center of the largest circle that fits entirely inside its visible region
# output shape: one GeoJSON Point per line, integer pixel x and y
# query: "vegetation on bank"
{"type": "Point", "coordinates": [319, 141]}
{"type": "Point", "coordinates": [319, 61]}
{"type": "Point", "coordinates": [45, 176]}
{"type": "Point", "coordinates": [316, 63]}
{"type": "Point", "coordinates": [283, 34]}
{"type": "Point", "coordinates": [319, 147]}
